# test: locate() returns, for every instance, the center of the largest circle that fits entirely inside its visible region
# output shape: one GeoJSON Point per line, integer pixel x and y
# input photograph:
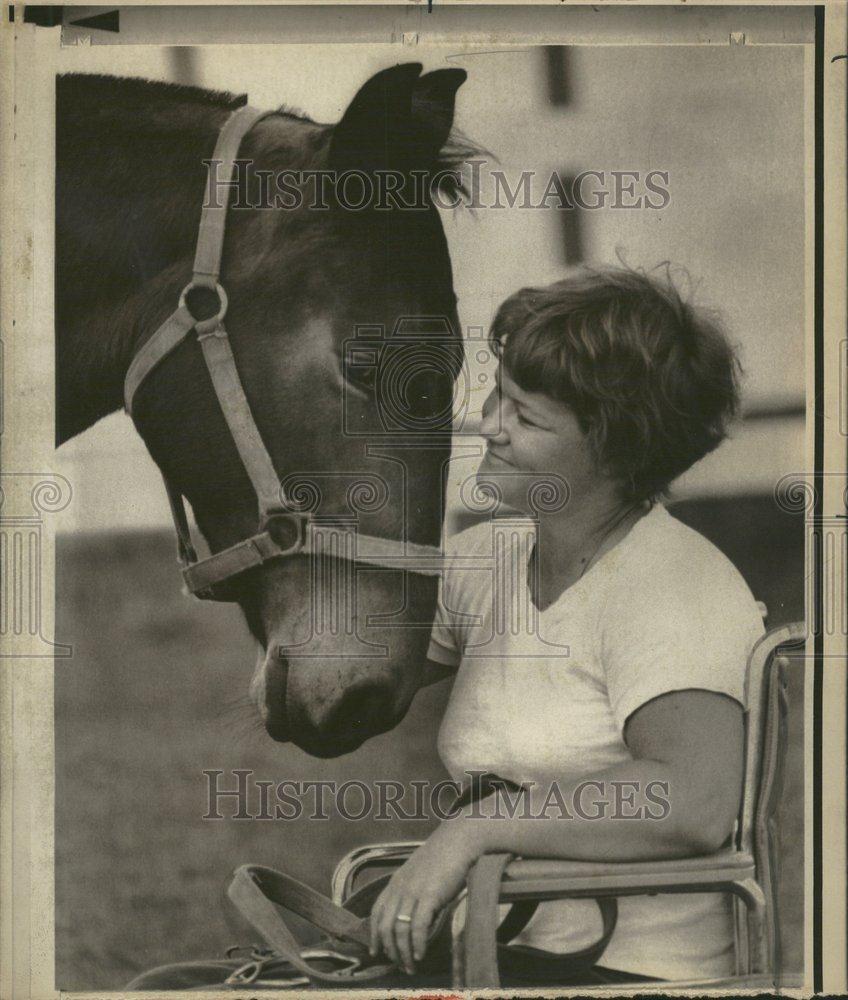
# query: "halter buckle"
{"type": "Point", "coordinates": [287, 530]}
{"type": "Point", "coordinates": [205, 325]}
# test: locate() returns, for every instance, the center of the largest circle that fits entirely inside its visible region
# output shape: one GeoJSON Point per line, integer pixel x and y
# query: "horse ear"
{"type": "Point", "coordinates": [398, 120]}
{"type": "Point", "coordinates": [433, 101]}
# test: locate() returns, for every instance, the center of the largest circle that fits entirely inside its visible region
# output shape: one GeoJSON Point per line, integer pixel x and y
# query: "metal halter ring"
{"type": "Point", "coordinates": [206, 325]}
{"type": "Point", "coordinates": [289, 542]}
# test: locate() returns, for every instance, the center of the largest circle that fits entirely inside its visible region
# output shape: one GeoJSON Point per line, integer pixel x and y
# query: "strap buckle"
{"type": "Point", "coordinates": [205, 325]}
{"type": "Point", "coordinates": [287, 530]}
{"type": "Point", "coordinates": [254, 973]}
{"type": "Point", "coordinates": [265, 968]}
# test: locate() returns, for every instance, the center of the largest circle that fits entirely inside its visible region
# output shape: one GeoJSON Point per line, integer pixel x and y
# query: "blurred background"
{"type": "Point", "coordinates": [155, 691]}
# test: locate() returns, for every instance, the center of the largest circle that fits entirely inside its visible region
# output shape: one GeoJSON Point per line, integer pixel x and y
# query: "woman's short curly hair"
{"type": "Point", "coordinates": [652, 380]}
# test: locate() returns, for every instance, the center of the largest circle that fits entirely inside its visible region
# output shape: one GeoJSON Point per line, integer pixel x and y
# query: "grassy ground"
{"type": "Point", "coordinates": [153, 695]}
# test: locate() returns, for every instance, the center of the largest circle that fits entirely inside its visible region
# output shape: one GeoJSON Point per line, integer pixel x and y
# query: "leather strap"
{"type": "Point", "coordinates": [524, 963]}
{"type": "Point", "coordinates": [185, 549]}
{"type": "Point", "coordinates": [253, 884]}
{"type": "Point", "coordinates": [225, 378]}
{"type": "Point", "coordinates": [257, 891]}
{"type": "Point", "coordinates": [169, 335]}
{"type": "Point", "coordinates": [485, 951]}
{"type": "Point", "coordinates": [486, 940]}
{"type": "Point", "coordinates": [208, 253]}
{"type": "Point", "coordinates": [481, 922]}
{"type": "Point", "coordinates": [213, 219]}
{"type": "Point", "coordinates": [204, 576]}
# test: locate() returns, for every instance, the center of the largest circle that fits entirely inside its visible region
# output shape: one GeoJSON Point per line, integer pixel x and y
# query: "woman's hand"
{"type": "Point", "coordinates": [431, 877]}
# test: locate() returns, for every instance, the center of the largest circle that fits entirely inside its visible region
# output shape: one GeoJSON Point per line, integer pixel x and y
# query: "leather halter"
{"type": "Point", "coordinates": [283, 532]}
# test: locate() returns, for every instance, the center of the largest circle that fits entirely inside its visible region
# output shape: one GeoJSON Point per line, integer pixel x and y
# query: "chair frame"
{"type": "Point", "coordinates": [746, 869]}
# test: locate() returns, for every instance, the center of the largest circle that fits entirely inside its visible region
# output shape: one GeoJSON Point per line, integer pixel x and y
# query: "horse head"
{"type": "Point", "coordinates": [342, 318]}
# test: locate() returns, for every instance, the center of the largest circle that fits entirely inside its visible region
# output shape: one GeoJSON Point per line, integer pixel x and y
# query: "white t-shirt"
{"type": "Point", "coordinates": [544, 696]}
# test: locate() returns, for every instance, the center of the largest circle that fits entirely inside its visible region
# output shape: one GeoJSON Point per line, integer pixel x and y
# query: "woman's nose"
{"type": "Point", "coordinates": [491, 424]}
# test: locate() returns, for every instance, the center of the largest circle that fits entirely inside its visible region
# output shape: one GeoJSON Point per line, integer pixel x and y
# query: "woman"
{"type": "Point", "coordinates": [632, 681]}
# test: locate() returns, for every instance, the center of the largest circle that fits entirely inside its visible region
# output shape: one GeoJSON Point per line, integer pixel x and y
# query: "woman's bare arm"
{"type": "Point", "coordinates": [689, 741]}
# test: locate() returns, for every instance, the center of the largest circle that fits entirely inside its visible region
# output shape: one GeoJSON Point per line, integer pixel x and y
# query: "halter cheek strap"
{"type": "Point", "coordinates": [282, 531]}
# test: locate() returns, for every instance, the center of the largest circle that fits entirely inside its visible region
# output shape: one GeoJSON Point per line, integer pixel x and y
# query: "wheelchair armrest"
{"type": "Point", "coordinates": [546, 879]}
{"type": "Point", "coordinates": [531, 878]}
{"type": "Point", "coordinates": [361, 858]}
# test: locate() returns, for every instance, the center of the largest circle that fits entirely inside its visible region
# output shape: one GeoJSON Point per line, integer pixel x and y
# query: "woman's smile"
{"type": "Point", "coordinates": [492, 456]}
{"type": "Point", "coordinates": [543, 439]}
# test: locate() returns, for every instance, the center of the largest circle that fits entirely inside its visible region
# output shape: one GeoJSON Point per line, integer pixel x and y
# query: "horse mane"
{"type": "Point", "coordinates": [130, 91]}
{"type": "Point", "coordinates": [127, 92]}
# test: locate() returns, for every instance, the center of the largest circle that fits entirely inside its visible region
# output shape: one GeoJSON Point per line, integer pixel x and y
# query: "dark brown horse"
{"type": "Point", "coordinates": [302, 278]}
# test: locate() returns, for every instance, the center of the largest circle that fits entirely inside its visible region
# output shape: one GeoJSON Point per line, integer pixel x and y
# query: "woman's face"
{"type": "Point", "coordinates": [533, 440]}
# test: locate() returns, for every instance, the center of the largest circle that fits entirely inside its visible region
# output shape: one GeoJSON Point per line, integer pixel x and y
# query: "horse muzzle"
{"type": "Point", "coordinates": [304, 701]}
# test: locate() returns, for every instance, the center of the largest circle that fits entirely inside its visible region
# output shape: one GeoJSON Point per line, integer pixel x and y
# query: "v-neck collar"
{"type": "Point", "coordinates": [592, 570]}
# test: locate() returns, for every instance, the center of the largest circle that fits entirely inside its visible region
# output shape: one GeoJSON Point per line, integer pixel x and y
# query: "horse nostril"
{"type": "Point", "coordinates": [276, 677]}
{"type": "Point", "coordinates": [363, 711]}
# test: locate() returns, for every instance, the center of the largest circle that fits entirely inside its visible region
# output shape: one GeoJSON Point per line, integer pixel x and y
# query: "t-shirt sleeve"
{"type": "Point", "coordinates": [678, 631]}
{"type": "Point", "coordinates": [459, 589]}
{"type": "Point", "coordinates": [446, 643]}
{"type": "Point", "coordinates": [443, 639]}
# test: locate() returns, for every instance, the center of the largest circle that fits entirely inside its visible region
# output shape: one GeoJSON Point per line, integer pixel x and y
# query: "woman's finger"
{"type": "Point", "coordinates": [374, 925]}
{"type": "Point", "coordinates": [386, 929]}
{"type": "Point", "coordinates": [403, 933]}
{"type": "Point", "coordinates": [421, 920]}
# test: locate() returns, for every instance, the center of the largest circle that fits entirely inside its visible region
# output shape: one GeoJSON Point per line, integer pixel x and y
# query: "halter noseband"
{"type": "Point", "coordinates": [283, 532]}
